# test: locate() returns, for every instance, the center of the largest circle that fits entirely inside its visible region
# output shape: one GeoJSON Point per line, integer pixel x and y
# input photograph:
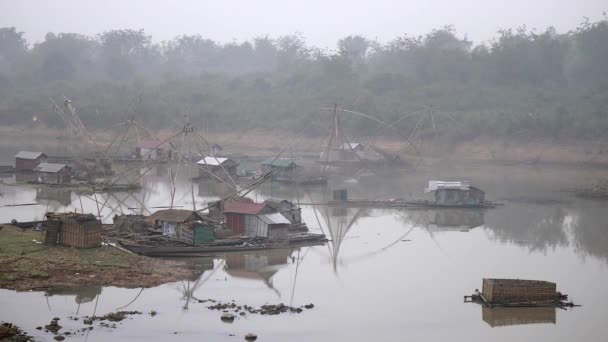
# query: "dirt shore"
{"type": "Point", "coordinates": [26, 265]}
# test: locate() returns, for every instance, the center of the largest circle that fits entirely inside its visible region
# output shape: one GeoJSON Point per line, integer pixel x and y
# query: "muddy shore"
{"type": "Point", "coordinates": [26, 264]}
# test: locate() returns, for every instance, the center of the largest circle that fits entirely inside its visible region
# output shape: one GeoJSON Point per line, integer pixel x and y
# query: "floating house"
{"type": "Point", "coordinates": [290, 211]}
{"type": "Point", "coordinates": [459, 193]}
{"type": "Point", "coordinates": [151, 149]}
{"type": "Point", "coordinates": [220, 167]}
{"type": "Point", "coordinates": [51, 173]}
{"type": "Point", "coordinates": [284, 168]}
{"type": "Point", "coordinates": [255, 220]}
{"type": "Point", "coordinates": [26, 160]}
{"type": "Point", "coordinates": [185, 226]}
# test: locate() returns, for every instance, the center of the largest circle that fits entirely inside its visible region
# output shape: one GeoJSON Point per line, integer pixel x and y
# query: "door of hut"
{"type": "Point", "coordinates": [203, 234]}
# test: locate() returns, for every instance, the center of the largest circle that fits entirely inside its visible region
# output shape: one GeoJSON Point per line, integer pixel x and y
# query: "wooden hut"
{"type": "Point", "coordinates": [238, 214]}
{"type": "Point", "coordinates": [290, 211]}
{"type": "Point", "coordinates": [458, 193]}
{"type": "Point", "coordinates": [255, 220]}
{"type": "Point", "coordinates": [51, 173]}
{"type": "Point", "coordinates": [26, 160]}
{"type": "Point", "coordinates": [221, 167]}
{"type": "Point", "coordinates": [73, 229]}
{"type": "Point", "coordinates": [284, 168]}
{"type": "Point", "coordinates": [186, 226]}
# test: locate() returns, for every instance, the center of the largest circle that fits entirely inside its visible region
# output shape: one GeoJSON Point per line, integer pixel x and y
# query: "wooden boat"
{"type": "Point", "coordinates": [297, 240]}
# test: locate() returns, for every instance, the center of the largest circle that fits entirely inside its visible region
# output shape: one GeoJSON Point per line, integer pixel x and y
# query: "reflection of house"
{"type": "Point", "coordinates": [50, 173]}
{"type": "Point", "coordinates": [504, 316]}
{"type": "Point", "coordinates": [61, 196]}
{"type": "Point", "coordinates": [283, 168]}
{"type": "Point", "coordinates": [26, 160]}
{"type": "Point", "coordinates": [217, 166]}
{"type": "Point", "coordinates": [82, 294]}
{"type": "Point", "coordinates": [258, 265]}
{"type": "Point", "coordinates": [289, 210]}
{"type": "Point", "coordinates": [186, 226]}
{"type": "Point", "coordinates": [453, 218]}
{"type": "Point", "coordinates": [255, 220]}
{"type": "Point", "coordinates": [151, 149]}
{"type": "Point", "coordinates": [456, 193]}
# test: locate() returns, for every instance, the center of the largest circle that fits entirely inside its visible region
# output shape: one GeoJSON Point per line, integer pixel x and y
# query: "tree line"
{"type": "Point", "coordinates": [522, 82]}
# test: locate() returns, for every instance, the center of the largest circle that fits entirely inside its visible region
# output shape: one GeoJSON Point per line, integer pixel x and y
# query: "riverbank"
{"type": "Point", "coordinates": [258, 143]}
{"type": "Point", "coordinates": [26, 264]}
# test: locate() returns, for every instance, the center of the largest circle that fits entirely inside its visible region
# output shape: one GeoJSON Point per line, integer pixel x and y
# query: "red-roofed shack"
{"type": "Point", "coordinates": [26, 160]}
{"type": "Point", "coordinates": [241, 215]}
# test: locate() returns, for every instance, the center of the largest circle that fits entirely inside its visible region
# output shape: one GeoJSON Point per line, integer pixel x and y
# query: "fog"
{"type": "Point", "coordinates": [517, 72]}
{"type": "Point", "coordinates": [323, 23]}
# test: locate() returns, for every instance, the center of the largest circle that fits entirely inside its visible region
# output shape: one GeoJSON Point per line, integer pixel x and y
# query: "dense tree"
{"type": "Point", "coordinates": [522, 82]}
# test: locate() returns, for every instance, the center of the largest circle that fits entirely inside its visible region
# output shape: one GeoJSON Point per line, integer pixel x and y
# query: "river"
{"type": "Point", "coordinates": [385, 274]}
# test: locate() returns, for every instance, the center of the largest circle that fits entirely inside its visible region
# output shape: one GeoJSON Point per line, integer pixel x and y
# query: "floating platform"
{"type": "Point", "coordinates": [518, 293]}
{"type": "Point", "coordinates": [409, 204]}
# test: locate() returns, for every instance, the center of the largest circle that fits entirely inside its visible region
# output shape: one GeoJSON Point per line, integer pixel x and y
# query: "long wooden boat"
{"type": "Point", "coordinates": [190, 251]}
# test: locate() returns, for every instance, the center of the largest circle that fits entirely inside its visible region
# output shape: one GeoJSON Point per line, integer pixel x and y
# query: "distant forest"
{"type": "Point", "coordinates": [521, 83]}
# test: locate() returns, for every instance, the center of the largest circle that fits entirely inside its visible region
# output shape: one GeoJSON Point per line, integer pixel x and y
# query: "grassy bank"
{"type": "Point", "coordinates": [28, 265]}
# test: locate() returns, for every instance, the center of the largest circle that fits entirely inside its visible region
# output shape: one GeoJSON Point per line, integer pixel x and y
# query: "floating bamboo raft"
{"type": "Point", "coordinates": [519, 293]}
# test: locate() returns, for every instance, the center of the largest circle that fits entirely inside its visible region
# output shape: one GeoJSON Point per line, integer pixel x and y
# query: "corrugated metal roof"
{"type": "Point", "coordinates": [173, 215]}
{"type": "Point", "coordinates": [443, 185]}
{"type": "Point", "coordinates": [279, 162]}
{"type": "Point", "coordinates": [49, 167]}
{"type": "Point", "coordinates": [243, 208]}
{"type": "Point", "coordinates": [212, 161]}
{"type": "Point", "coordinates": [29, 155]}
{"type": "Point", "coordinates": [274, 218]}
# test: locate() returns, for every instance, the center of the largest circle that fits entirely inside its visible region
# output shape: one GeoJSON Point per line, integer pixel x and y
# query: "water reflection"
{"type": "Point", "coordinates": [53, 197]}
{"type": "Point", "coordinates": [258, 265]}
{"type": "Point", "coordinates": [81, 295]}
{"type": "Point", "coordinates": [537, 227]}
{"type": "Point", "coordinates": [500, 316]}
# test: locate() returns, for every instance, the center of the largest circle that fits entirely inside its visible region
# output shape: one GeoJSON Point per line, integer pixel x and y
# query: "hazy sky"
{"type": "Point", "coordinates": [322, 22]}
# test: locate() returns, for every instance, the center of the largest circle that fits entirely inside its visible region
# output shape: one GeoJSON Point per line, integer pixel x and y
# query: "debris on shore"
{"type": "Point", "coordinates": [242, 310]}
{"type": "Point", "coordinates": [12, 333]}
{"type": "Point", "coordinates": [251, 337]}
